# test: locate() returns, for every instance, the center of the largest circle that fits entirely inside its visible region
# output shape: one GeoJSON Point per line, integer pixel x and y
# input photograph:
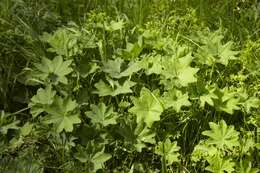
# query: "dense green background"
{"type": "Point", "coordinates": [129, 86]}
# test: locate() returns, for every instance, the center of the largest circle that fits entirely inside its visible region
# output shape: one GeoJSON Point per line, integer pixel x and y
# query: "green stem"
{"type": "Point", "coordinates": [164, 167]}
{"type": "Point", "coordinates": [20, 111]}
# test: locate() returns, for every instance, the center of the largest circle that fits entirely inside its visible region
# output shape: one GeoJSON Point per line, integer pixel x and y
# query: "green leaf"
{"type": "Point", "coordinates": [223, 99]}
{"type": "Point", "coordinates": [228, 101]}
{"type": "Point", "coordinates": [58, 41]}
{"type": "Point", "coordinates": [208, 97]}
{"type": "Point", "coordinates": [133, 67]}
{"type": "Point", "coordinates": [252, 102]}
{"type": "Point", "coordinates": [204, 151]}
{"type": "Point", "coordinates": [99, 159]}
{"type": "Point", "coordinates": [53, 71]}
{"type": "Point", "coordinates": [221, 135]}
{"type": "Point", "coordinates": [93, 156]}
{"type": "Point", "coordinates": [114, 89]}
{"type": "Point", "coordinates": [26, 129]}
{"type": "Point", "coordinates": [213, 51]}
{"type": "Point", "coordinates": [62, 114]}
{"type": "Point", "coordinates": [230, 105]}
{"type": "Point", "coordinates": [175, 99]}
{"type": "Point", "coordinates": [101, 114]}
{"type": "Point", "coordinates": [168, 150]}
{"type": "Point", "coordinates": [220, 165]}
{"type": "Point", "coordinates": [42, 98]}
{"type": "Point", "coordinates": [137, 135]}
{"type": "Point", "coordinates": [133, 50]}
{"type": "Point", "coordinates": [115, 68]}
{"type": "Point", "coordinates": [152, 63]}
{"type": "Point", "coordinates": [115, 25]}
{"type": "Point", "coordinates": [69, 41]}
{"type": "Point", "coordinates": [179, 68]}
{"type": "Point", "coordinates": [143, 135]}
{"type": "Point", "coordinates": [245, 166]}
{"type": "Point", "coordinates": [226, 53]}
{"type": "Point", "coordinates": [175, 67]}
{"type": "Point", "coordinates": [103, 89]}
{"type": "Point", "coordinates": [147, 107]}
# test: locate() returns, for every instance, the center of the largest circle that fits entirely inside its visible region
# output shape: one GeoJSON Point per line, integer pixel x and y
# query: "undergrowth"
{"type": "Point", "coordinates": [129, 86]}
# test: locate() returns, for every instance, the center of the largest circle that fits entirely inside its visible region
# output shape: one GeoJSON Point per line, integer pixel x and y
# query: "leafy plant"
{"type": "Point", "coordinates": [129, 86]}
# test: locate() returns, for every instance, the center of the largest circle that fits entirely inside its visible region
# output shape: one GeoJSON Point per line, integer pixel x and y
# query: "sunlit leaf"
{"type": "Point", "coordinates": [147, 107]}
{"type": "Point", "coordinates": [114, 88]}
{"type": "Point", "coordinates": [175, 99]}
{"type": "Point", "coordinates": [62, 114]}
{"type": "Point", "coordinates": [168, 150]}
{"type": "Point", "coordinates": [53, 71]}
{"type": "Point", "coordinates": [221, 135]}
{"type": "Point", "coordinates": [102, 114]}
{"type": "Point", "coordinates": [220, 165]}
{"type": "Point", "coordinates": [213, 50]}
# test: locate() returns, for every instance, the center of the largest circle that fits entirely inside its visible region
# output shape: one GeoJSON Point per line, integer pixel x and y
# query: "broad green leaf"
{"type": "Point", "coordinates": [228, 100]}
{"type": "Point", "coordinates": [54, 71]}
{"type": "Point", "coordinates": [221, 135]}
{"type": "Point", "coordinates": [245, 166]}
{"type": "Point", "coordinates": [115, 68]}
{"type": "Point", "coordinates": [208, 97]}
{"type": "Point", "coordinates": [137, 136]}
{"type": "Point", "coordinates": [174, 67]}
{"type": "Point", "coordinates": [58, 41]}
{"type": "Point", "coordinates": [103, 89]}
{"type": "Point", "coordinates": [94, 158]}
{"type": "Point", "coordinates": [175, 99]}
{"type": "Point", "coordinates": [252, 102]}
{"type": "Point", "coordinates": [115, 25]}
{"type": "Point", "coordinates": [99, 159]}
{"type": "Point", "coordinates": [44, 96]}
{"type": "Point", "coordinates": [223, 99]}
{"type": "Point", "coordinates": [179, 68]}
{"type": "Point", "coordinates": [147, 107]}
{"type": "Point", "coordinates": [153, 64]}
{"type": "Point", "coordinates": [143, 135]}
{"type": "Point", "coordinates": [169, 151]}
{"type": "Point", "coordinates": [220, 165]}
{"type": "Point", "coordinates": [186, 75]}
{"type": "Point", "coordinates": [229, 106]}
{"type": "Point", "coordinates": [69, 41]}
{"type": "Point", "coordinates": [204, 151]}
{"type": "Point", "coordinates": [213, 50]}
{"type": "Point", "coordinates": [101, 114]}
{"type": "Point", "coordinates": [41, 99]}
{"type": "Point", "coordinates": [226, 53]}
{"type": "Point", "coordinates": [62, 114]}
{"type": "Point", "coordinates": [125, 88]}
{"type": "Point", "coordinates": [132, 50]}
{"type": "Point", "coordinates": [133, 67]}
{"type": "Point", "coordinates": [114, 88]}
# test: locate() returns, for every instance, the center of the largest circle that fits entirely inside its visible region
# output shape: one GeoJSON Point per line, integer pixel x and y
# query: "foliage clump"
{"type": "Point", "coordinates": [129, 86]}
